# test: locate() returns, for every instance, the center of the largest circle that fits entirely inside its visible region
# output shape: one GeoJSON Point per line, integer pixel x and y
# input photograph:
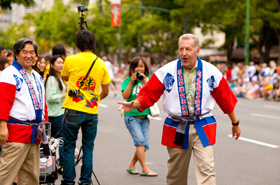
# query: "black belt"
{"type": "Point", "coordinates": [70, 111]}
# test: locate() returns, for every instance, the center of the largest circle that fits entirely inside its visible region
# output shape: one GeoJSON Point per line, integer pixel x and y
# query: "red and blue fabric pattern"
{"type": "Point", "coordinates": [211, 87]}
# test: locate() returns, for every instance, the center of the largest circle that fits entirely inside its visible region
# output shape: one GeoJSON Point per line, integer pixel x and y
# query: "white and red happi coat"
{"type": "Point", "coordinates": [19, 101]}
{"type": "Point", "coordinates": [210, 88]}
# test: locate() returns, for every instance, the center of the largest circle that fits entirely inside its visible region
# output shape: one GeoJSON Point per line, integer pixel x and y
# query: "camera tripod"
{"type": "Point", "coordinates": [78, 160]}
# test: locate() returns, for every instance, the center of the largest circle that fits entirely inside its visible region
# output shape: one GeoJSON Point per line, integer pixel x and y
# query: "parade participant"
{"type": "Point", "coordinates": [190, 87]}
{"type": "Point", "coordinates": [81, 105]}
{"type": "Point", "coordinates": [137, 122]}
{"type": "Point", "coordinates": [22, 111]}
{"type": "Point", "coordinates": [111, 74]}
{"type": "Point", "coordinates": [55, 95]}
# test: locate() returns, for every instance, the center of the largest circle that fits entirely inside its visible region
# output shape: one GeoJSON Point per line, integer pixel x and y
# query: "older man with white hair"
{"type": "Point", "coordinates": [190, 89]}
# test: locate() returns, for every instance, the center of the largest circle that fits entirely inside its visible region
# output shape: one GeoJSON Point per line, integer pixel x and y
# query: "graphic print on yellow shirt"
{"type": "Point", "coordinates": [75, 68]}
{"type": "Point", "coordinates": [89, 85]}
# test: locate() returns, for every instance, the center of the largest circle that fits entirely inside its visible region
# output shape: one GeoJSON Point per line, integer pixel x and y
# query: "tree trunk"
{"type": "Point", "coordinates": [266, 42]}
{"type": "Point", "coordinates": [229, 46]}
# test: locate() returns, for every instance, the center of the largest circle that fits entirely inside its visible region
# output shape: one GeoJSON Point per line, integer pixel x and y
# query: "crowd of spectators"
{"type": "Point", "coordinates": [253, 81]}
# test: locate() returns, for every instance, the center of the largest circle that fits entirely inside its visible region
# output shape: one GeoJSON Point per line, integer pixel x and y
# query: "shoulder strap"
{"type": "Point", "coordinates": [88, 72]}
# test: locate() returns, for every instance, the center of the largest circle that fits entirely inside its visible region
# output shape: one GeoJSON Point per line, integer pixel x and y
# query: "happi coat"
{"type": "Point", "coordinates": [210, 88]}
{"type": "Point", "coordinates": [18, 100]}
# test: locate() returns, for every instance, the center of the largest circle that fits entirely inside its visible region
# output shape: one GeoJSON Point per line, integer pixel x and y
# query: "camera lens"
{"type": "Point", "coordinates": [72, 93]}
{"type": "Point", "coordinates": [139, 76]}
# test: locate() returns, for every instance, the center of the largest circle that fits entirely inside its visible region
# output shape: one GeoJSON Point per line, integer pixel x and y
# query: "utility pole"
{"type": "Point", "coordinates": [247, 44]}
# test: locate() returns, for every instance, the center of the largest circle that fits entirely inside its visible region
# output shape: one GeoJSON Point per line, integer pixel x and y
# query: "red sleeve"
{"type": "Point", "coordinates": [46, 111]}
{"type": "Point", "coordinates": [224, 96]}
{"type": "Point", "coordinates": [150, 93]}
{"type": "Point", "coordinates": [7, 94]}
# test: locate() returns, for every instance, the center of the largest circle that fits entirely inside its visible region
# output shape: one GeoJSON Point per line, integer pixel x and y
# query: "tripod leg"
{"type": "Point", "coordinates": [79, 156]}
{"type": "Point", "coordinates": [95, 177]}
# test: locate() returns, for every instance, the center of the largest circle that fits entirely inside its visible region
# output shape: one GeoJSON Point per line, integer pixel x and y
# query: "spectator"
{"type": "Point", "coordinates": [55, 95]}
{"type": "Point", "coordinates": [4, 63]}
{"type": "Point", "coordinates": [265, 70]}
{"type": "Point", "coordinates": [241, 72]}
{"type": "Point", "coordinates": [3, 51]}
{"type": "Point", "coordinates": [137, 122]}
{"type": "Point", "coordinates": [234, 72]}
{"type": "Point", "coordinates": [40, 66]}
{"type": "Point", "coordinates": [10, 56]}
{"type": "Point", "coordinates": [47, 58]}
{"type": "Point", "coordinates": [228, 74]}
{"type": "Point", "coordinates": [111, 74]}
{"type": "Point", "coordinates": [251, 70]}
{"type": "Point", "coordinates": [252, 92]}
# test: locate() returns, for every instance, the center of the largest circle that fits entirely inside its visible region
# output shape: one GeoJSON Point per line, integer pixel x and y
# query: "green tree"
{"type": "Point", "coordinates": [6, 4]}
{"type": "Point", "coordinates": [58, 25]}
{"type": "Point", "coordinates": [226, 16]}
{"type": "Point", "coordinates": [13, 33]}
{"type": "Point", "coordinates": [265, 25]}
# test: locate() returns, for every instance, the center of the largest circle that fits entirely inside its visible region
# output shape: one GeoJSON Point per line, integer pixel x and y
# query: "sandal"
{"type": "Point", "coordinates": [133, 172]}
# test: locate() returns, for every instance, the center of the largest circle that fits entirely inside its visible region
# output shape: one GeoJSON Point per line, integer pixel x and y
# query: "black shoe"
{"type": "Point", "coordinates": [60, 170]}
{"type": "Point", "coordinates": [86, 183]}
{"type": "Point", "coordinates": [14, 183]}
{"type": "Point", "coordinates": [67, 183]}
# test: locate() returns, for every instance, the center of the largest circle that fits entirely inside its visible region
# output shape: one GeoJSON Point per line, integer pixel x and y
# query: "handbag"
{"type": "Point", "coordinates": [154, 110]}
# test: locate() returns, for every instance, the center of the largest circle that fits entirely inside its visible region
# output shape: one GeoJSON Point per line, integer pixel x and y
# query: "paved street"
{"type": "Point", "coordinates": [252, 160]}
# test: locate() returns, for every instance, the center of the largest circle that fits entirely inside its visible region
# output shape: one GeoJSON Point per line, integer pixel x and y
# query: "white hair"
{"type": "Point", "coordinates": [188, 36]}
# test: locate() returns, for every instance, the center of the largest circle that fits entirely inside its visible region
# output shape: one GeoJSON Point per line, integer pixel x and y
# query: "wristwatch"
{"type": "Point", "coordinates": [235, 124]}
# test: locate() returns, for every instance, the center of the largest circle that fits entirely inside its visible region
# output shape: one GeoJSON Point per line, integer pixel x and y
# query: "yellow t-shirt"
{"type": "Point", "coordinates": [268, 87]}
{"type": "Point", "coordinates": [47, 70]}
{"type": "Point", "coordinates": [75, 68]}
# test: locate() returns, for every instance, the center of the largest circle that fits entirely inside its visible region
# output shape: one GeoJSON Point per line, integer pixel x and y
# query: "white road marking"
{"type": "Point", "coordinates": [265, 116]}
{"type": "Point", "coordinates": [103, 105]}
{"type": "Point", "coordinates": [256, 142]}
{"type": "Point", "coordinates": [155, 118]}
{"type": "Point", "coordinates": [272, 106]}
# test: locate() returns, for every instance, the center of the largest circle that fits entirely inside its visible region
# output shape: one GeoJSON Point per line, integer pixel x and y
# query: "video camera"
{"type": "Point", "coordinates": [82, 21]}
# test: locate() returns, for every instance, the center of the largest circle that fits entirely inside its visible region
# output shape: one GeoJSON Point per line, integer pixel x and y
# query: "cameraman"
{"type": "Point", "coordinates": [81, 105]}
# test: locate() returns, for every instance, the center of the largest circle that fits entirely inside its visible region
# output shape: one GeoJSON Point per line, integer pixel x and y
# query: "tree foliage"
{"type": "Point", "coordinates": [151, 31]}
{"type": "Point", "coordinates": [7, 4]}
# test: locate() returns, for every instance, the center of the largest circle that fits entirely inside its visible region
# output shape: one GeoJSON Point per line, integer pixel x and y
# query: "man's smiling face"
{"type": "Point", "coordinates": [26, 56]}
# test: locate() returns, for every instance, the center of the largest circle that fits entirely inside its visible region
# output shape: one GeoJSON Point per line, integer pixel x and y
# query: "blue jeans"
{"type": "Point", "coordinates": [139, 130]}
{"type": "Point", "coordinates": [56, 132]}
{"type": "Point", "coordinates": [72, 122]}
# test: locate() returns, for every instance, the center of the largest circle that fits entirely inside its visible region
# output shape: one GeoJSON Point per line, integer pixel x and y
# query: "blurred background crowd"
{"type": "Point", "coordinates": [253, 81]}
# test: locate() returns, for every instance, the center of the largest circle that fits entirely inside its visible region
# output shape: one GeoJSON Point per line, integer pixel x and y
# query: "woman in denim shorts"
{"type": "Point", "coordinates": [137, 122]}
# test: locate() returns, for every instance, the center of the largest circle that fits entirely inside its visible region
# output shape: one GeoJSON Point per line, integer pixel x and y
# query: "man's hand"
{"type": "Point", "coordinates": [4, 133]}
{"type": "Point", "coordinates": [236, 131]}
{"type": "Point", "coordinates": [125, 107]}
